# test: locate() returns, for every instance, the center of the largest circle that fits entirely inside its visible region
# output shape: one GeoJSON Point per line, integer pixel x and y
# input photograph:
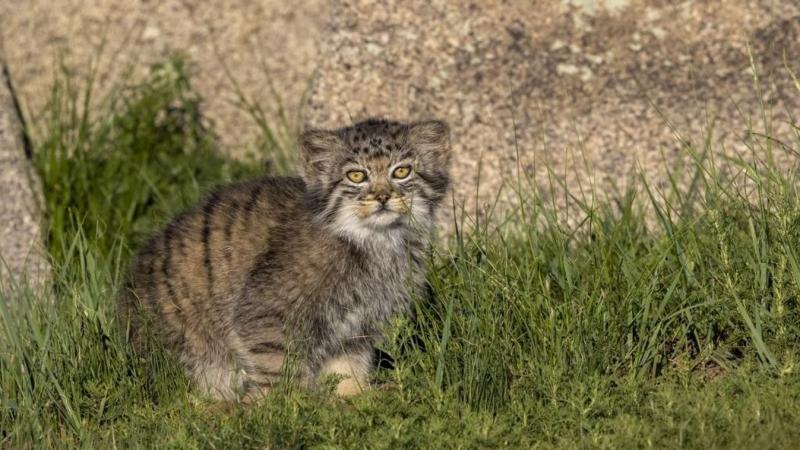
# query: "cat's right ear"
{"type": "Point", "coordinates": [317, 148]}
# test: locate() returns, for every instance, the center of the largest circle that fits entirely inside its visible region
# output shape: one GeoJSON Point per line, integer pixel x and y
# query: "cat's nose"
{"type": "Point", "coordinates": [383, 198]}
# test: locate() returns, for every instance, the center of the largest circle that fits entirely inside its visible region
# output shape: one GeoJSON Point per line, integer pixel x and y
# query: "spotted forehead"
{"type": "Point", "coordinates": [376, 163]}
{"type": "Point", "coordinates": [375, 139]}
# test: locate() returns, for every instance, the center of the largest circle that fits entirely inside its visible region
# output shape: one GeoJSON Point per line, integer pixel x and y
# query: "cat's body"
{"type": "Point", "coordinates": [310, 267]}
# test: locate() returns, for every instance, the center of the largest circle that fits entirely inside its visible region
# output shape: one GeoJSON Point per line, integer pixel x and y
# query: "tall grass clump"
{"type": "Point", "coordinates": [662, 318]}
{"type": "Point", "coordinates": [108, 181]}
{"type": "Point", "coordinates": [116, 176]}
{"type": "Point", "coordinates": [521, 313]}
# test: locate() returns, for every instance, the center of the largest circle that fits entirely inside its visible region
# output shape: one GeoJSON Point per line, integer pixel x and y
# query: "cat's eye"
{"type": "Point", "coordinates": [401, 172]}
{"type": "Point", "coordinates": [356, 176]}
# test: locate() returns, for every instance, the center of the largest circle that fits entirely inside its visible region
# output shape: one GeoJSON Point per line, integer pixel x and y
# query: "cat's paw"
{"type": "Point", "coordinates": [350, 386]}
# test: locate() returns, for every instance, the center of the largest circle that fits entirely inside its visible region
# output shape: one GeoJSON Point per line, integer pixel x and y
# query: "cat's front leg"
{"type": "Point", "coordinates": [354, 367]}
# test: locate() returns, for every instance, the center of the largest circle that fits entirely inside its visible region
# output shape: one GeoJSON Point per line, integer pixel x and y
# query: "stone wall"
{"type": "Point", "coordinates": [589, 88]}
{"type": "Point", "coordinates": [268, 47]}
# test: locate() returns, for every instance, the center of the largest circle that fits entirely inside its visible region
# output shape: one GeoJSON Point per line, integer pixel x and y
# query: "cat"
{"type": "Point", "coordinates": [310, 267]}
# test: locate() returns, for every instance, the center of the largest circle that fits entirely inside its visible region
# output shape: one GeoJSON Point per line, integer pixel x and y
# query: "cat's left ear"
{"type": "Point", "coordinates": [317, 148]}
{"type": "Point", "coordinates": [431, 139]}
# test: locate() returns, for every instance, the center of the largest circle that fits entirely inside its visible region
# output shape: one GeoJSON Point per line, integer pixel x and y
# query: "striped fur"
{"type": "Point", "coordinates": [303, 270]}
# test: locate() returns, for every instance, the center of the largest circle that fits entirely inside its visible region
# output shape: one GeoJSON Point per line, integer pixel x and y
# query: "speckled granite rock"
{"type": "Point", "coordinates": [21, 254]}
{"type": "Point", "coordinates": [269, 46]}
{"type": "Point", "coordinates": [588, 87]}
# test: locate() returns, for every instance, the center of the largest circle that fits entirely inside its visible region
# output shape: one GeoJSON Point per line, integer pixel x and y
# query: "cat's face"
{"type": "Point", "coordinates": [377, 176]}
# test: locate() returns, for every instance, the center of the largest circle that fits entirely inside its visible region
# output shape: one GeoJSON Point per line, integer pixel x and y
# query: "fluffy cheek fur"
{"type": "Point", "coordinates": [420, 212]}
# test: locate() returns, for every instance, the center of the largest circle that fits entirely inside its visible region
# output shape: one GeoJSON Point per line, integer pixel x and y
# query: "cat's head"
{"type": "Point", "coordinates": [377, 176]}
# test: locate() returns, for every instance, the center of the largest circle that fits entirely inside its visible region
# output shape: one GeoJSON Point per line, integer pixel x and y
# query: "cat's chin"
{"type": "Point", "coordinates": [384, 220]}
{"type": "Point", "coordinates": [385, 227]}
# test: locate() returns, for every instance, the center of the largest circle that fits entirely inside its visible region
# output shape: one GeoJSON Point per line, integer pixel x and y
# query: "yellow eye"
{"type": "Point", "coordinates": [401, 172]}
{"type": "Point", "coordinates": [356, 176]}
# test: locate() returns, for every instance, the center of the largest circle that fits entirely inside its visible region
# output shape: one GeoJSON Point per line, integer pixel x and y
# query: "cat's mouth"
{"type": "Point", "coordinates": [383, 211]}
{"type": "Point", "coordinates": [369, 209]}
{"type": "Point", "coordinates": [383, 215]}
{"type": "Point", "coordinates": [380, 215]}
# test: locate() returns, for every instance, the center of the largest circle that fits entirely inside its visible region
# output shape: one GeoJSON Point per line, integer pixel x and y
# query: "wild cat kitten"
{"type": "Point", "coordinates": [313, 265]}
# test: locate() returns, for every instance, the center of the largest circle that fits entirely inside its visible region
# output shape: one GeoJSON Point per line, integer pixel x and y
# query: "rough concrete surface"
{"type": "Point", "coordinates": [588, 87]}
{"type": "Point", "coordinates": [21, 253]}
{"type": "Point", "coordinates": [267, 46]}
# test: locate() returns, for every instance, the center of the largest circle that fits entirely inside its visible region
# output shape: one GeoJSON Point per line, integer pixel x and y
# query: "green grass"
{"type": "Point", "coordinates": [609, 334]}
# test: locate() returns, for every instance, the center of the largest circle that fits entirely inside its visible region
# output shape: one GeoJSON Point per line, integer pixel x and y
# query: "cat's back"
{"type": "Point", "coordinates": [186, 270]}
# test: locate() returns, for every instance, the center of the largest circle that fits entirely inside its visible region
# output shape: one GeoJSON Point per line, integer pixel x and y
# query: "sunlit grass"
{"type": "Point", "coordinates": [677, 330]}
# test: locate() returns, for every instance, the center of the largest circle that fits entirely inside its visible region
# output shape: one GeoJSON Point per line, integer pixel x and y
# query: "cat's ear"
{"type": "Point", "coordinates": [317, 148]}
{"type": "Point", "coordinates": [431, 140]}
